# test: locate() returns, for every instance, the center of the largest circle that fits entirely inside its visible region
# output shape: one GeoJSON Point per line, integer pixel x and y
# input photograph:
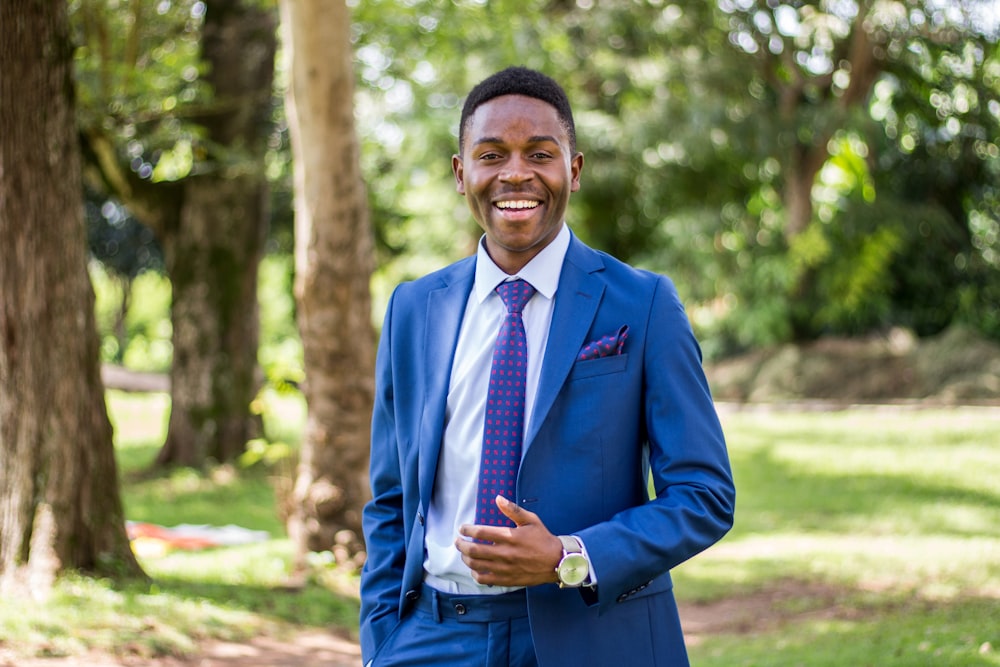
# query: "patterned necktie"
{"type": "Point", "coordinates": [504, 426]}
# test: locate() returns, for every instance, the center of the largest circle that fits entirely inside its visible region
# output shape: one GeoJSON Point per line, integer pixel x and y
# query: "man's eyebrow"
{"type": "Point", "coordinates": [537, 139]}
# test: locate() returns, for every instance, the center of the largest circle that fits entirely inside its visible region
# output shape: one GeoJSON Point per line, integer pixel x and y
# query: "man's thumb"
{"type": "Point", "coordinates": [513, 511]}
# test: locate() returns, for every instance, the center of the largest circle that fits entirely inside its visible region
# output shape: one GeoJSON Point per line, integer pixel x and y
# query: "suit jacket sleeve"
{"type": "Point", "coordinates": [694, 497]}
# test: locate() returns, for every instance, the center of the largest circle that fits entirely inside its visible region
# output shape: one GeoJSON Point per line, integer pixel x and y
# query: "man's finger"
{"type": "Point", "coordinates": [514, 512]}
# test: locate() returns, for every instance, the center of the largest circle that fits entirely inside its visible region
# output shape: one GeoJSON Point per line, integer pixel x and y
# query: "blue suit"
{"type": "Point", "coordinates": [600, 428]}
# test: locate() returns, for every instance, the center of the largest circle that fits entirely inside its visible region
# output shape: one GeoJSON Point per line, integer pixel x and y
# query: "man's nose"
{"type": "Point", "coordinates": [516, 170]}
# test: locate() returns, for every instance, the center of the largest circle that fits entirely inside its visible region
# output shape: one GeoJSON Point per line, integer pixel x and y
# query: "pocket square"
{"type": "Point", "coordinates": [608, 346]}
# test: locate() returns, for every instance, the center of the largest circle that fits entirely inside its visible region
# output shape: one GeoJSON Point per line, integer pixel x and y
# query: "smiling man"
{"type": "Point", "coordinates": [517, 169]}
{"type": "Point", "coordinates": [524, 399]}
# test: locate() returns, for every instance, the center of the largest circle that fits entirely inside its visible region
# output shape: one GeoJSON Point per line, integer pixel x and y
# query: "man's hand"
{"type": "Point", "coordinates": [523, 556]}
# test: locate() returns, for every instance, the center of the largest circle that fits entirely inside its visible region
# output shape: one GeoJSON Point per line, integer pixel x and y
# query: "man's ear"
{"type": "Point", "coordinates": [458, 169]}
{"type": "Point", "coordinates": [575, 166]}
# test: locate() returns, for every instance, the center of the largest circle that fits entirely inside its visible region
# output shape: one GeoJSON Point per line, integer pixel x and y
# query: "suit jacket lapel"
{"type": "Point", "coordinates": [577, 298]}
{"type": "Point", "coordinates": [445, 308]}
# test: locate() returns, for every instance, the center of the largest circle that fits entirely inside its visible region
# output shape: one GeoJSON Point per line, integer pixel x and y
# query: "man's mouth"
{"type": "Point", "coordinates": [517, 205]}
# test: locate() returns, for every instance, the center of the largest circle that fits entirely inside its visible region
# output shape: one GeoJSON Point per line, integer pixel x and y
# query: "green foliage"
{"type": "Point", "coordinates": [689, 114]}
{"type": "Point", "coordinates": [280, 353]}
{"type": "Point", "coordinates": [138, 68]}
{"type": "Point", "coordinates": [148, 324]}
{"type": "Point", "coordinates": [133, 319]}
{"type": "Point", "coordinates": [857, 284]}
{"type": "Point", "coordinates": [282, 408]}
{"type": "Point", "coordinates": [683, 113]}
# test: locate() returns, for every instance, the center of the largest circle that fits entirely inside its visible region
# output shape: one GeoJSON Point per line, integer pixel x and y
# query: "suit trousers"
{"type": "Point", "coordinates": [461, 631]}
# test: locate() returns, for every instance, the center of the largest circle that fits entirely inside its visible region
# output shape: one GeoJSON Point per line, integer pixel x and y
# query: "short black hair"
{"type": "Point", "coordinates": [519, 81]}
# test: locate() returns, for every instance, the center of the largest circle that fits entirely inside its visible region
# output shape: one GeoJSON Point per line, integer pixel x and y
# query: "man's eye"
{"type": "Point", "coordinates": [488, 156]}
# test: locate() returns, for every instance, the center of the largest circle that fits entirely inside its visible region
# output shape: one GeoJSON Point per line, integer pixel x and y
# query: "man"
{"type": "Point", "coordinates": [511, 522]}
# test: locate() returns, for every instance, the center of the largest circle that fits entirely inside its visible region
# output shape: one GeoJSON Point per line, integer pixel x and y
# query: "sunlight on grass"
{"type": "Point", "coordinates": [879, 528]}
{"type": "Point", "coordinates": [894, 512]}
{"type": "Point", "coordinates": [138, 417]}
{"type": "Point", "coordinates": [185, 495]}
{"type": "Point", "coordinates": [284, 415]}
{"type": "Point", "coordinates": [866, 472]}
{"type": "Point", "coordinates": [140, 422]}
{"type": "Point", "coordinates": [953, 448]}
{"type": "Point", "coordinates": [254, 577]}
{"type": "Point", "coordinates": [261, 563]}
{"type": "Point", "coordinates": [135, 620]}
{"type": "Point", "coordinates": [933, 567]}
{"type": "Point", "coordinates": [189, 496]}
{"type": "Point", "coordinates": [913, 634]}
{"type": "Point", "coordinates": [229, 593]}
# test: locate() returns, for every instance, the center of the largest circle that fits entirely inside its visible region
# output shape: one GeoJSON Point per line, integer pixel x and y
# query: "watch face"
{"type": "Point", "coordinates": [573, 570]}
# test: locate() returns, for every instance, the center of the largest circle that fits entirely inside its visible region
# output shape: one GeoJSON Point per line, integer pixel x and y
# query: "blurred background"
{"type": "Point", "coordinates": [820, 179]}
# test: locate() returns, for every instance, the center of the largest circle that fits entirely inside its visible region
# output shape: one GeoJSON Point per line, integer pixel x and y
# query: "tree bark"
{"type": "Point", "coordinates": [213, 263]}
{"type": "Point", "coordinates": [59, 496]}
{"type": "Point", "coordinates": [213, 255]}
{"type": "Point", "coordinates": [334, 257]}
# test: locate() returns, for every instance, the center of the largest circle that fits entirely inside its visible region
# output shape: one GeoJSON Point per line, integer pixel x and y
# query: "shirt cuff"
{"type": "Point", "coordinates": [591, 581]}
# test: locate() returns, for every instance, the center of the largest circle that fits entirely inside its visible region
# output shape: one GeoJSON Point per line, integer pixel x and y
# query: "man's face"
{"type": "Point", "coordinates": [517, 171]}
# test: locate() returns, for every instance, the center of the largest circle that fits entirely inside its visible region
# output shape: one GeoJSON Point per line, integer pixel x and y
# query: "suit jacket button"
{"type": "Point", "coordinates": [412, 596]}
{"type": "Point", "coordinates": [420, 518]}
{"type": "Point", "coordinates": [460, 609]}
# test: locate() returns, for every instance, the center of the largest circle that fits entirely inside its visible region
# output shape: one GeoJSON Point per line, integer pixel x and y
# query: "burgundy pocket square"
{"type": "Point", "coordinates": [610, 345]}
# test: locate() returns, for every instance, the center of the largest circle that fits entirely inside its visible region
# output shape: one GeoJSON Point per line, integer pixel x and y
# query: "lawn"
{"type": "Point", "coordinates": [863, 537]}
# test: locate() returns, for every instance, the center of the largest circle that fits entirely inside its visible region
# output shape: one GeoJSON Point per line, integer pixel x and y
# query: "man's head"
{"type": "Point", "coordinates": [518, 163]}
{"type": "Point", "coordinates": [519, 81]}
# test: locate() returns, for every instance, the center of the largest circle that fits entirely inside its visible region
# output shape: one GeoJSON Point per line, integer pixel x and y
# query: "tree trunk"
{"type": "Point", "coordinates": [213, 264]}
{"type": "Point", "coordinates": [59, 497]}
{"type": "Point", "coordinates": [805, 160]}
{"type": "Point", "coordinates": [334, 256]}
{"type": "Point", "coordinates": [213, 249]}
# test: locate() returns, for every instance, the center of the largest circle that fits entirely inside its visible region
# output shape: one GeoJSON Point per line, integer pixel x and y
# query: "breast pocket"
{"type": "Point", "coordinates": [602, 366]}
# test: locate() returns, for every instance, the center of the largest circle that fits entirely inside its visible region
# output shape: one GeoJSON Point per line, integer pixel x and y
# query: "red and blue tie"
{"type": "Point", "coordinates": [504, 426]}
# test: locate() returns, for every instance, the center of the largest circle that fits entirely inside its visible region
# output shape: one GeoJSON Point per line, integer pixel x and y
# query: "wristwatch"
{"type": "Point", "coordinates": [574, 568]}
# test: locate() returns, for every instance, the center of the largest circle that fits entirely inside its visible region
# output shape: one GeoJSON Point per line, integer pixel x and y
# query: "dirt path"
{"type": "Point", "coordinates": [310, 648]}
{"type": "Point", "coordinates": [761, 611]}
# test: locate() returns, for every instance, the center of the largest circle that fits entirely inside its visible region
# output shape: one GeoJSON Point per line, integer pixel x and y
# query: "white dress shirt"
{"type": "Point", "coordinates": [454, 499]}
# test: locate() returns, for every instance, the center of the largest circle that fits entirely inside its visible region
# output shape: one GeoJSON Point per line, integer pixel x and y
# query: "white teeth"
{"type": "Point", "coordinates": [517, 204]}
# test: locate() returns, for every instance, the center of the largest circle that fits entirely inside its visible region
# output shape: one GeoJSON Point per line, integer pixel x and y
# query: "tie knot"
{"type": "Point", "coordinates": [515, 294]}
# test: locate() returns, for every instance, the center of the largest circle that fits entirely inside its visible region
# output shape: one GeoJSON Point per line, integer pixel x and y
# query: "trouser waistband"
{"type": "Point", "coordinates": [473, 608]}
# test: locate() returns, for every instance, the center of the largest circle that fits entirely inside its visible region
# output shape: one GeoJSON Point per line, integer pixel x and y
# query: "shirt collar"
{"type": "Point", "coordinates": [542, 271]}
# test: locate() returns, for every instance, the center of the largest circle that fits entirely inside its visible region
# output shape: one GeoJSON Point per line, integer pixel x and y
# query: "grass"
{"type": "Point", "coordinates": [916, 634]}
{"type": "Point", "coordinates": [892, 515]}
{"type": "Point", "coordinates": [227, 593]}
{"type": "Point", "coordinates": [863, 537]}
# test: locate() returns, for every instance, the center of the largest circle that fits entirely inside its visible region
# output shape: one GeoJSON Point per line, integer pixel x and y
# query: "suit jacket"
{"type": "Point", "coordinates": [601, 428]}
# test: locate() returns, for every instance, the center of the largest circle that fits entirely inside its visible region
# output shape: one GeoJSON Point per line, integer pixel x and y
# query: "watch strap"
{"type": "Point", "coordinates": [570, 545]}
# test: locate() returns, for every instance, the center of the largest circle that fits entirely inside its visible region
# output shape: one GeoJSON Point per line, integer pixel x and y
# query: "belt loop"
{"type": "Point", "coordinates": [435, 603]}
